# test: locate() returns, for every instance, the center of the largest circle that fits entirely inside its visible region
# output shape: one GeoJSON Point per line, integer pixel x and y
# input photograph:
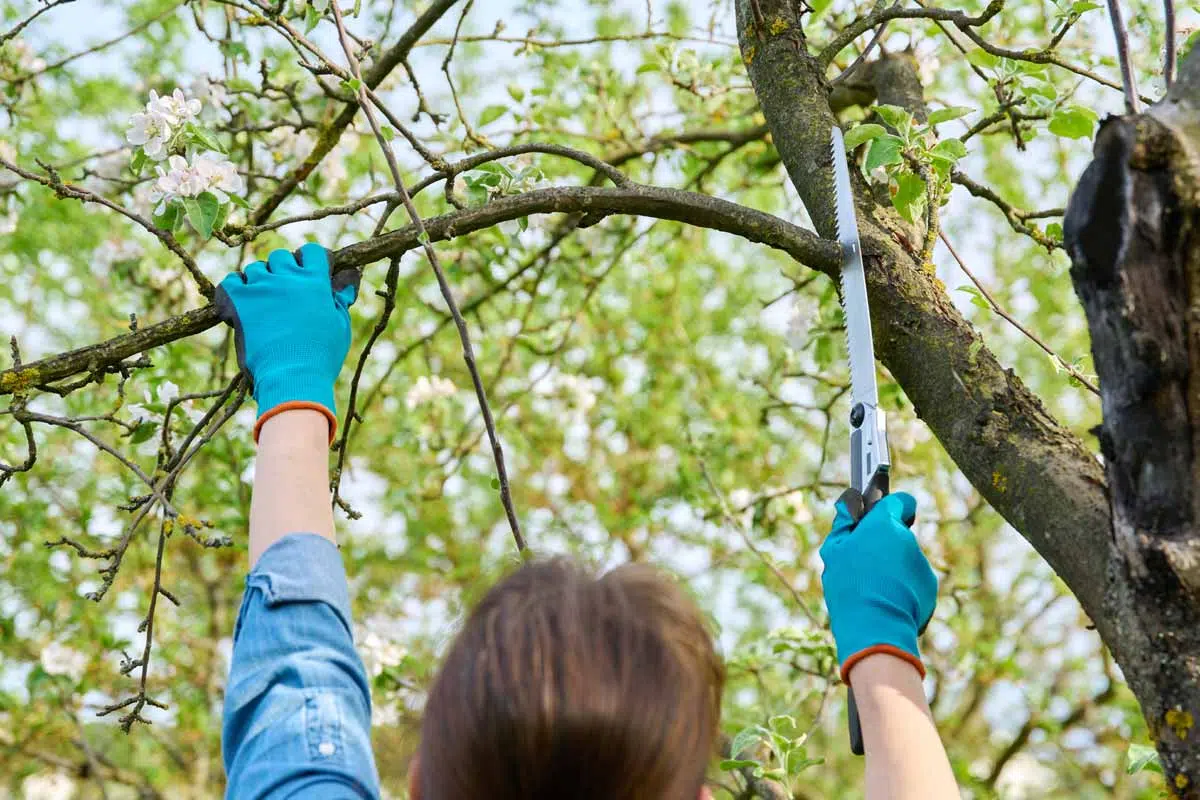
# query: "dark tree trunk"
{"type": "Point", "coordinates": [1131, 231]}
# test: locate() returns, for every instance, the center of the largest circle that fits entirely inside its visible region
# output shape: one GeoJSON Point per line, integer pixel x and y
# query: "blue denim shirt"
{"type": "Point", "coordinates": [298, 704]}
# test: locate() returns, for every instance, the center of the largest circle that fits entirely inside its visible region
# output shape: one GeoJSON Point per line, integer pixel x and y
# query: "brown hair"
{"type": "Point", "coordinates": [563, 684]}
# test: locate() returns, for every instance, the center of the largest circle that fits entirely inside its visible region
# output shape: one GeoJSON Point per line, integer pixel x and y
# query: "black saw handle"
{"type": "Point", "coordinates": [876, 490]}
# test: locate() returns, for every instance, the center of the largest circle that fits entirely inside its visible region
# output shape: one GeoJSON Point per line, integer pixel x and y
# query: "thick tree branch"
{"type": "Point", "coordinates": [1031, 469]}
{"type": "Point", "coordinates": [668, 204]}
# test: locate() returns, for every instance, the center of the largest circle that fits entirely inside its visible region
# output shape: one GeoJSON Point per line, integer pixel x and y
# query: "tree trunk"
{"type": "Point", "coordinates": [1128, 547]}
{"type": "Point", "coordinates": [1032, 470]}
{"type": "Point", "coordinates": [1131, 231]}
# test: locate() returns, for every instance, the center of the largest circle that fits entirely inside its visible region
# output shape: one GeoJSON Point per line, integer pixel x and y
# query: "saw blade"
{"type": "Point", "coordinates": [854, 283]}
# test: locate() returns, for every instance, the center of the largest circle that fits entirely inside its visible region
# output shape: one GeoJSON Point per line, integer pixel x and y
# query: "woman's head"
{"type": "Point", "coordinates": [563, 684]}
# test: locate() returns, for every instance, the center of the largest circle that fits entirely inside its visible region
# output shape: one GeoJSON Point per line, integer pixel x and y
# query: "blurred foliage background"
{"type": "Point", "coordinates": [664, 393]}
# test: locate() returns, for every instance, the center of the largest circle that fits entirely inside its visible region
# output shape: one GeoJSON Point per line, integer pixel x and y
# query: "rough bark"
{"type": "Point", "coordinates": [1033, 471]}
{"type": "Point", "coordinates": [1131, 230]}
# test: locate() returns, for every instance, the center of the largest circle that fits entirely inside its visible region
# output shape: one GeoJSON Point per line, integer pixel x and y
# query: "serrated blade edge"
{"type": "Point", "coordinates": [859, 343]}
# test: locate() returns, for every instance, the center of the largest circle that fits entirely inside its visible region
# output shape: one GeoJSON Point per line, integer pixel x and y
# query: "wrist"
{"type": "Point", "coordinates": [319, 418]}
{"type": "Point", "coordinates": [886, 653]}
{"type": "Point", "coordinates": [884, 672]}
{"type": "Point", "coordinates": [294, 428]}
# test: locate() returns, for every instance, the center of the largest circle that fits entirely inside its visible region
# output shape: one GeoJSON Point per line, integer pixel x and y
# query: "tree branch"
{"type": "Point", "coordinates": [669, 204]}
{"type": "Point", "coordinates": [882, 15]}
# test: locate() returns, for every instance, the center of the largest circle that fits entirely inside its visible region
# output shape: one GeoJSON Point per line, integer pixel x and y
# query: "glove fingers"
{"type": "Point", "coordinates": [900, 506]}
{"type": "Point", "coordinates": [255, 272]}
{"type": "Point", "coordinates": [282, 262]}
{"type": "Point", "coordinates": [227, 312]}
{"type": "Point", "coordinates": [313, 258]}
{"type": "Point", "coordinates": [345, 286]}
{"type": "Point", "coordinates": [849, 511]}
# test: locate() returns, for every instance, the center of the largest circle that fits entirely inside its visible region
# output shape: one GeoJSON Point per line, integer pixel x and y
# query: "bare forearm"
{"type": "Point", "coordinates": [905, 756]}
{"type": "Point", "coordinates": [291, 480]}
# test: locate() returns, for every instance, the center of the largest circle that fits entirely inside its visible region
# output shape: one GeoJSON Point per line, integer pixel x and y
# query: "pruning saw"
{"type": "Point", "coordinates": [870, 461]}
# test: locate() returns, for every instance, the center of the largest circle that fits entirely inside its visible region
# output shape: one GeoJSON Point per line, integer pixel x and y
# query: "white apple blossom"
{"type": "Point", "coordinates": [220, 173]}
{"type": "Point", "coordinates": [58, 659]}
{"type": "Point", "coordinates": [166, 392]}
{"type": "Point", "coordinates": [153, 126]}
{"type": "Point", "coordinates": [175, 106]}
{"type": "Point", "coordinates": [151, 130]}
{"type": "Point", "coordinates": [426, 390]}
{"type": "Point", "coordinates": [209, 92]}
{"type": "Point", "coordinates": [208, 172]}
{"type": "Point", "coordinates": [377, 652]}
{"type": "Point", "coordinates": [48, 786]}
{"type": "Point", "coordinates": [24, 59]}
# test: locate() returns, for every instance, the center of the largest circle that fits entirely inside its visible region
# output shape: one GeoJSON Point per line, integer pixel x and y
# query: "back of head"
{"type": "Point", "coordinates": [567, 685]}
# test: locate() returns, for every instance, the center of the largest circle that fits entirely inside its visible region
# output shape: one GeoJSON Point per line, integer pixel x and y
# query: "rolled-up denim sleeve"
{"type": "Point", "coordinates": [297, 720]}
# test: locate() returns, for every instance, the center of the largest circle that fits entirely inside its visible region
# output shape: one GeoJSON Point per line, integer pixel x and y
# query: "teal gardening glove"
{"type": "Point", "coordinates": [291, 322]}
{"type": "Point", "coordinates": [879, 588]}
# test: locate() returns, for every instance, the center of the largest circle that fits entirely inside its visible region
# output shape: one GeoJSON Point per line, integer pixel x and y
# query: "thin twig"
{"type": "Point", "coordinates": [20, 26]}
{"type": "Point", "coordinates": [443, 284]}
{"type": "Point", "coordinates": [1062, 362]}
{"type": "Point", "coordinates": [55, 183]}
{"type": "Point", "coordinates": [389, 303]}
{"type": "Point", "coordinates": [854, 65]}
{"type": "Point", "coordinates": [737, 525]}
{"type": "Point", "coordinates": [1128, 82]}
{"type": "Point", "coordinates": [102, 45]}
{"type": "Point", "coordinates": [1169, 42]}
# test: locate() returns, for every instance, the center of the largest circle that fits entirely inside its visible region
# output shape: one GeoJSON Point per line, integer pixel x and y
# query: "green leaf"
{"type": "Point", "coordinates": [946, 114]}
{"type": "Point", "coordinates": [352, 85]}
{"type": "Point", "coordinates": [1142, 757]}
{"type": "Point", "coordinates": [477, 194]}
{"type": "Point", "coordinates": [388, 132]}
{"type": "Point", "coordinates": [516, 92]}
{"type": "Point", "coordinates": [143, 432]}
{"type": "Point", "coordinates": [977, 298]}
{"type": "Point", "coordinates": [523, 222]}
{"type": "Point", "coordinates": [496, 168]}
{"type": "Point", "coordinates": [205, 137]}
{"type": "Point", "coordinates": [884, 151]}
{"type": "Point", "coordinates": [1073, 122]}
{"type": "Point", "coordinates": [895, 116]}
{"type": "Point", "coordinates": [946, 153]}
{"type": "Point", "coordinates": [138, 162]}
{"type": "Point", "coordinates": [909, 196]}
{"type": "Point", "coordinates": [491, 114]}
{"type": "Point", "coordinates": [730, 764]}
{"type": "Point", "coordinates": [746, 738]}
{"type": "Point", "coordinates": [863, 133]}
{"type": "Point", "coordinates": [1083, 7]}
{"type": "Point", "coordinates": [651, 67]}
{"type": "Point", "coordinates": [202, 213]}
{"type": "Point", "coordinates": [983, 59]}
{"type": "Point", "coordinates": [496, 484]}
{"type": "Point", "coordinates": [423, 237]}
{"type": "Point", "coordinates": [240, 202]}
{"type": "Point", "coordinates": [222, 216]}
{"type": "Point", "coordinates": [311, 18]}
{"type": "Point", "coordinates": [166, 220]}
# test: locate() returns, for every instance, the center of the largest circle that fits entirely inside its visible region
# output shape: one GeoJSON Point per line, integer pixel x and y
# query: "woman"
{"type": "Point", "coordinates": [561, 684]}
